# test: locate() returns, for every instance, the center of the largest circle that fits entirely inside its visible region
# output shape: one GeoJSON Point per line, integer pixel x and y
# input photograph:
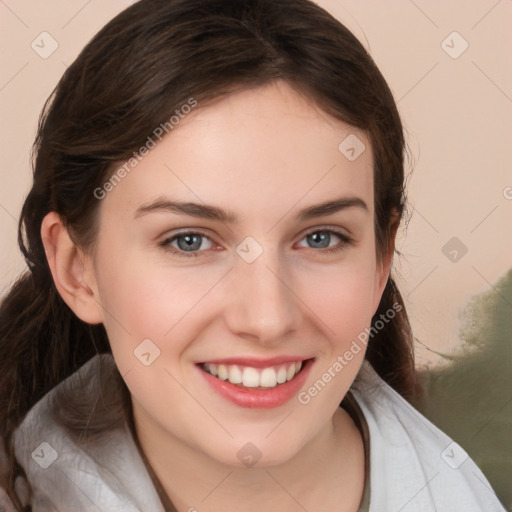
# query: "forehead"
{"type": "Point", "coordinates": [258, 151]}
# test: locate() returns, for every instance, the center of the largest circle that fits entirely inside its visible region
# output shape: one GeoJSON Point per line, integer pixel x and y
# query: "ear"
{"type": "Point", "coordinates": [384, 263]}
{"type": "Point", "coordinates": [71, 270]}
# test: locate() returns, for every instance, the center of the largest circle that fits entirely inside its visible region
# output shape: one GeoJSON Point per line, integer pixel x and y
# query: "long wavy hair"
{"type": "Point", "coordinates": [142, 66]}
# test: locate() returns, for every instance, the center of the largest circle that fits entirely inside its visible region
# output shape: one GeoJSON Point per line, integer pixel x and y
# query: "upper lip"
{"type": "Point", "coordinates": [257, 362]}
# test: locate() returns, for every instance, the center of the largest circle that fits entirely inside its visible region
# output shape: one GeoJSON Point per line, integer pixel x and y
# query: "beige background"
{"type": "Point", "coordinates": [457, 113]}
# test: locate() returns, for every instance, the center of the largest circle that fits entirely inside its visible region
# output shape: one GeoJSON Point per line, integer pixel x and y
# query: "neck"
{"type": "Point", "coordinates": [327, 472]}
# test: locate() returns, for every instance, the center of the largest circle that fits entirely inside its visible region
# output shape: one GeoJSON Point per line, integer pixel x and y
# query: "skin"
{"type": "Point", "coordinates": [264, 154]}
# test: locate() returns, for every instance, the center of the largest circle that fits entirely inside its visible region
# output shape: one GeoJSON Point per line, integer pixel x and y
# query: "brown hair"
{"type": "Point", "coordinates": [130, 77]}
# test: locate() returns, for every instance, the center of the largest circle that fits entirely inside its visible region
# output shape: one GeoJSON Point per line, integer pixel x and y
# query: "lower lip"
{"type": "Point", "coordinates": [255, 398]}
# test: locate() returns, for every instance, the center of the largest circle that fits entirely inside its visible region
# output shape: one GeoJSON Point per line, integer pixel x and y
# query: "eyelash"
{"type": "Point", "coordinates": [344, 240]}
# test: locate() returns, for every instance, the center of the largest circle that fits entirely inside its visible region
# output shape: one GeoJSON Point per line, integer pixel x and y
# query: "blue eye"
{"type": "Point", "coordinates": [322, 238]}
{"type": "Point", "coordinates": [192, 244]}
{"type": "Point", "coordinates": [188, 243]}
{"type": "Point", "coordinates": [319, 239]}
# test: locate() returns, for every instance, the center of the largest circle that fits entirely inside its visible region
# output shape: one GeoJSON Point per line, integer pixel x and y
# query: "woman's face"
{"type": "Point", "coordinates": [251, 279]}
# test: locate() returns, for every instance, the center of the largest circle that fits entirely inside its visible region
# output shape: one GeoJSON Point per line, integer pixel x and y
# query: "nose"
{"type": "Point", "coordinates": [261, 303]}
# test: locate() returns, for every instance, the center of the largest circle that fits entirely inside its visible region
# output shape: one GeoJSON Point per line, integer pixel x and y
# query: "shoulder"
{"type": "Point", "coordinates": [414, 465]}
{"type": "Point", "coordinates": [67, 467]}
{"type": "Point", "coordinates": [6, 505]}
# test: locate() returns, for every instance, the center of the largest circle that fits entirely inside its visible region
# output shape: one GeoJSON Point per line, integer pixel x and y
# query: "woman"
{"type": "Point", "coordinates": [217, 189]}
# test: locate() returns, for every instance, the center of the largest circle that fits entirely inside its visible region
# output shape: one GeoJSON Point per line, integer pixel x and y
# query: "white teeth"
{"type": "Point", "coordinates": [268, 378]}
{"type": "Point", "coordinates": [281, 375]}
{"type": "Point", "coordinates": [235, 375]}
{"type": "Point", "coordinates": [223, 372]}
{"type": "Point", "coordinates": [252, 377]}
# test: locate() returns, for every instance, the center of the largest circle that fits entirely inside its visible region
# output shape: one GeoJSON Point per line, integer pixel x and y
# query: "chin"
{"type": "Point", "coordinates": [255, 454]}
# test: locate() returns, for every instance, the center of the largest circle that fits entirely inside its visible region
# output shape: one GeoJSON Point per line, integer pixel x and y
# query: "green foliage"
{"type": "Point", "coordinates": [471, 398]}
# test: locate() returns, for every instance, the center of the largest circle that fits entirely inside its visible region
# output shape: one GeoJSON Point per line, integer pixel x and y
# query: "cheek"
{"type": "Point", "coordinates": [150, 315]}
{"type": "Point", "coordinates": [143, 300]}
{"type": "Point", "coordinates": [342, 297]}
{"type": "Point", "coordinates": [343, 302]}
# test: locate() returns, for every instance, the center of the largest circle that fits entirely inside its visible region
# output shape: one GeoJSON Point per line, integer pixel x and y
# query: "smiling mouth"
{"type": "Point", "coordinates": [254, 378]}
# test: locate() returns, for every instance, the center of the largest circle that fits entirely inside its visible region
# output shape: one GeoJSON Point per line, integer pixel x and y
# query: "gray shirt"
{"type": "Point", "coordinates": [410, 465]}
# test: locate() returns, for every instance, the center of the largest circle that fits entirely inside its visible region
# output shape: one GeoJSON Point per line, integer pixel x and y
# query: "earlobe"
{"type": "Point", "coordinates": [71, 270]}
{"type": "Point", "coordinates": [381, 278]}
{"type": "Point", "coordinates": [384, 269]}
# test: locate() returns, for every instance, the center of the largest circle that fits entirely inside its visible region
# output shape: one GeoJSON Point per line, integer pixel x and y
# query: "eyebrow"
{"type": "Point", "coordinates": [211, 212]}
{"type": "Point", "coordinates": [331, 207]}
